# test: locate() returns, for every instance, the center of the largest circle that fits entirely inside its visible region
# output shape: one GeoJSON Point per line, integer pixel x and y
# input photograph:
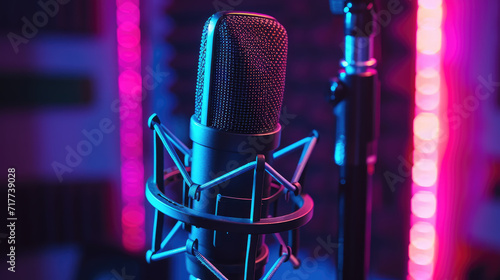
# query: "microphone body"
{"type": "Point", "coordinates": [227, 177]}
{"type": "Point", "coordinates": [216, 153]}
{"type": "Point", "coordinates": [238, 102]}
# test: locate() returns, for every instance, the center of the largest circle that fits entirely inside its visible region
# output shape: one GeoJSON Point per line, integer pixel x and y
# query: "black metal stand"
{"type": "Point", "coordinates": [355, 96]}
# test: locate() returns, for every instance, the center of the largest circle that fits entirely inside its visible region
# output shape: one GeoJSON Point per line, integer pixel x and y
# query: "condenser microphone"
{"type": "Point", "coordinates": [239, 93]}
{"type": "Point", "coordinates": [235, 130]}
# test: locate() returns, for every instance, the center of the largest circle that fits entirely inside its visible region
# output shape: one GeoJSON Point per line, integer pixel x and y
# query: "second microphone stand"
{"type": "Point", "coordinates": [355, 96]}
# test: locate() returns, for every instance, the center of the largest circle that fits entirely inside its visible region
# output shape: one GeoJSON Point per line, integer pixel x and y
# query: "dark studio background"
{"type": "Point", "coordinates": [65, 79]}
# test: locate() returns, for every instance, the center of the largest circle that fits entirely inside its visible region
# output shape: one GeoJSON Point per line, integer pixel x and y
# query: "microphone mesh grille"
{"type": "Point", "coordinates": [248, 74]}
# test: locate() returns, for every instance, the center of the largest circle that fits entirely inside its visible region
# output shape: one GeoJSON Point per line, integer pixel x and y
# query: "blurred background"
{"type": "Point", "coordinates": [78, 80]}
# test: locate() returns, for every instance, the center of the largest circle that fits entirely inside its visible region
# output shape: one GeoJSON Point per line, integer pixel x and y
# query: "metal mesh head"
{"type": "Point", "coordinates": [248, 74]}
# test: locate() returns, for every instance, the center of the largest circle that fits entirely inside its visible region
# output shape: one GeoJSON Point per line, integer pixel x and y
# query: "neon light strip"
{"type": "Point", "coordinates": [426, 132]}
{"type": "Point", "coordinates": [130, 92]}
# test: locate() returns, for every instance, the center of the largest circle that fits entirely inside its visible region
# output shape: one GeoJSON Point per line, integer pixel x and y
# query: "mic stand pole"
{"type": "Point", "coordinates": [355, 96]}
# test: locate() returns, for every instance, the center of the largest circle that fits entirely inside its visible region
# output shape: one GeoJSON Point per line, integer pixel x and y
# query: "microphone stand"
{"type": "Point", "coordinates": [355, 97]}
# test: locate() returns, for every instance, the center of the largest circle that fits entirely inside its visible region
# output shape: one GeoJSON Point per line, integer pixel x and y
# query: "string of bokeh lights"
{"type": "Point", "coordinates": [131, 146]}
{"type": "Point", "coordinates": [426, 134]}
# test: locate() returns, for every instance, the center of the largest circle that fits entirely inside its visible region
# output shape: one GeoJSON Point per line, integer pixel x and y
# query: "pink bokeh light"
{"type": "Point", "coordinates": [423, 204]}
{"type": "Point", "coordinates": [424, 172]}
{"type": "Point", "coordinates": [427, 140]}
{"type": "Point", "coordinates": [128, 36]}
{"type": "Point", "coordinates": [422, 235]}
